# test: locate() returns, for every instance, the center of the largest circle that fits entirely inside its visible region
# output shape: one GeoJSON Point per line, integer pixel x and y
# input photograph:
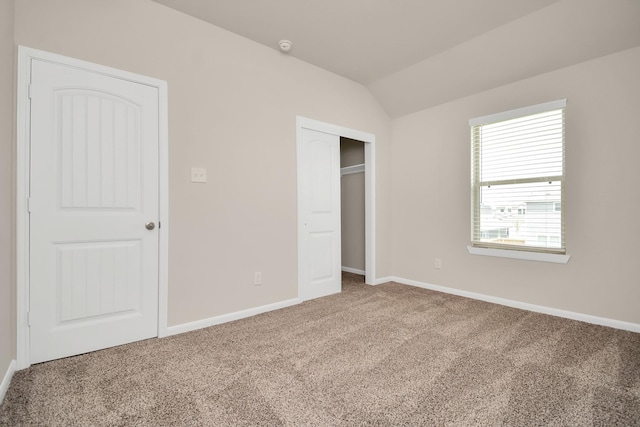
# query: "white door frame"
{"type": "Point", "coordinates": [25, 56]}
{"type": "Point", "coordinates": [369, 189]}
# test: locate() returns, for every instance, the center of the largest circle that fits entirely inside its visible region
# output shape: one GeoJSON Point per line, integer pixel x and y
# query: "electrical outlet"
{"type": "Point", "coordinates": [198, 175]}
{"type": "Point", "coordinates": [257, 278]}
{"type": "Point", "coordinates": [438, 263]}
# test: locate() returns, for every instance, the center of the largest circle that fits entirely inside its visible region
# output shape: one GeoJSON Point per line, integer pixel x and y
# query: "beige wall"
{"type": "Point", "coordinates": [232, 109]}
{"type": "Point", "coordinates": [6, 184]}
{"type": "Point", "coordinates": [431, 193]}
{"type": "Point", "coordinates": [353, 206]}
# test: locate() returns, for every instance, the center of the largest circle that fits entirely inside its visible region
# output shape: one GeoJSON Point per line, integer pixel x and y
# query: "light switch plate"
{"type": "Point", "coordinates": [198, 175]}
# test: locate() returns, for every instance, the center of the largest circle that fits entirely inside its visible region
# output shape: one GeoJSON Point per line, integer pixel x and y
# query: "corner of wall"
{"type": "Point", "coordinates": [7, 179]}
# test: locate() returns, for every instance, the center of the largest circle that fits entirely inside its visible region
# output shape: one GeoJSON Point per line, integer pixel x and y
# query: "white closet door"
{"type": "Point", "coordinates": [319, 193]}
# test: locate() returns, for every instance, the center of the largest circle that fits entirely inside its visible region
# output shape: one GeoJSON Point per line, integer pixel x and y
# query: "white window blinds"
{"type": "Point", "coordinates": [518, 179]}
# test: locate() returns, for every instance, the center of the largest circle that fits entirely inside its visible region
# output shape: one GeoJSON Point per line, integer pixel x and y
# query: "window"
{"type": "Point", "coordinates": [518, 179]}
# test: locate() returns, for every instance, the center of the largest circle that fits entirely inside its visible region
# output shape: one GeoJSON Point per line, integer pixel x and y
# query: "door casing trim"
{"type": "Point", "coordinates": [23, 120]}
{"type": "Point", "coordinates": [369, 189]}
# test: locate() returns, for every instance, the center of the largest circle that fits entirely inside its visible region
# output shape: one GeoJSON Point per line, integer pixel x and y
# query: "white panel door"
{"type": "Point", "coordinates": [94, 186]}
{"type": "Point", "coordinates": [319, 197]}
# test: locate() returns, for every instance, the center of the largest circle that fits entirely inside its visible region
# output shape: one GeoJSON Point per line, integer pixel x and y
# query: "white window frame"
{"type": "Point", "coordinates": [525, 253]}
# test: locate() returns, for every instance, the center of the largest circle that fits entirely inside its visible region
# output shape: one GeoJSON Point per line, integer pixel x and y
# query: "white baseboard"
{"type": "Point", "coordinates": [4, 386]}
{"type": "Point", "coordinates": [603, 321]}
{"type": "Point", "coordinates": [217, 320]}
{"type": "Point", "coordinates": [230, 317]}
{"type": "Point", "coordinates": [381, 280]}
{"type": "Point", "coordinates": [354, 270]}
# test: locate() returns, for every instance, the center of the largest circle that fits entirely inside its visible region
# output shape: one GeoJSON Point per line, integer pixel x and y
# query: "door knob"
{"type": "Point", "coordinates": [150, 225]}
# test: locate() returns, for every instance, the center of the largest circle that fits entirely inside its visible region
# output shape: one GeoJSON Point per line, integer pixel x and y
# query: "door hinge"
{"type": "Point", "coordinates": [28, 318]}
{"type": "Point", "coordinates": [28, 204]}
{"type": "Point", "coordinates": [30, 91]}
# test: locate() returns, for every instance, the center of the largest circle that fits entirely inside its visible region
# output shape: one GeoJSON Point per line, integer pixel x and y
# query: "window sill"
{"type": "Point", "coordinates": [529, 256]}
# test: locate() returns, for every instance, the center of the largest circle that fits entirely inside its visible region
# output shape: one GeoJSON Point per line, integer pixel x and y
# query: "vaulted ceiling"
{"type": "Point", "coordinates": [415, 54]}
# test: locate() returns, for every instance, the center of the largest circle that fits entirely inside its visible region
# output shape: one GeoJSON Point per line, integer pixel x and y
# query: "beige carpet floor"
{"type": "Point", "coordinates": [385, 355]}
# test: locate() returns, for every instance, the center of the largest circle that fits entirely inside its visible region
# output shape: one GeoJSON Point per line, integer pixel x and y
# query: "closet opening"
{"type": "Point", "coordinates": [353, 215]}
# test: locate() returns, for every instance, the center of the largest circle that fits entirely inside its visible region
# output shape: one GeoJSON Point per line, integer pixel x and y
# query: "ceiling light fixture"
{"type": "Point", "coordinates": [285, 45]}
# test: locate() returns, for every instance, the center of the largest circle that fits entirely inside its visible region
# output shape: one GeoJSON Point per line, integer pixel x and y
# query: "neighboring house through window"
{"type": "Point", "coordinates": [518, 179]}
